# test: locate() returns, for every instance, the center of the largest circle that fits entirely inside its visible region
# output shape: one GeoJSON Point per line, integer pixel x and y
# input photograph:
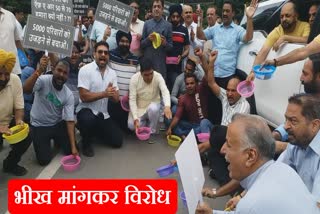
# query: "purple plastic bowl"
{"type": "Point", "coordinates": [166, 170]}
{"type": "Point", "coordinates": [203, 137]}
{"type": "Point", "coordinates": [143, 133]}
{"type": "Point", "coordinates": [183, 198]}
{"type": "Point", "coordinates": [70, 163]}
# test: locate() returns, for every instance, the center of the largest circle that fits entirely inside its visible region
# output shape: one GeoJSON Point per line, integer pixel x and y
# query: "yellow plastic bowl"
{"type": "Point", "coordinates": [156, 43]}
{"type": "Point", "coordinates": [19, 133]}
{"type": "Point", "coordinates": [174, 140]}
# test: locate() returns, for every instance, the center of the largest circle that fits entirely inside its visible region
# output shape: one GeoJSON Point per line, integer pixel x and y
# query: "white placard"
{"type": "Point", "coordinates": [191, 171]}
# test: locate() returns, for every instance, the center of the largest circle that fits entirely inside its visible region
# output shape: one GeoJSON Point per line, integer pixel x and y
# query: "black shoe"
{"type": "Point", "coordinates": [88, 151]}
{"type": "Point", "coordinates": [17, 170]}
{"type": "Point", "coordinates": [211, 174]}
{"type": "Point", "coordinates": [204, 159]}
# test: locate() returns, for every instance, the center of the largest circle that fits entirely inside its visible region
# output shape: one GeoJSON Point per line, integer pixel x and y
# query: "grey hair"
{"type": "Point", "coordinates": [256, 135]}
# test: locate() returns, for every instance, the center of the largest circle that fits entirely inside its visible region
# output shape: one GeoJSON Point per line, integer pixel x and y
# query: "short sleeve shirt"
{"type": "Point", "coordinates": [302, 29]}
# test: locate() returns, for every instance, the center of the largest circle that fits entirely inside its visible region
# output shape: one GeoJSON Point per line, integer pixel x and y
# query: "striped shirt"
{"type": "Point", "coordinates": [125, 68]}
{"type": "Point", "coordinates": [242, 106]}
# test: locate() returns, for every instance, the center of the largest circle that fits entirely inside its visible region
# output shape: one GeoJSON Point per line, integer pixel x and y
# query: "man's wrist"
{"type": "Point", "coordinates": [214, 193]}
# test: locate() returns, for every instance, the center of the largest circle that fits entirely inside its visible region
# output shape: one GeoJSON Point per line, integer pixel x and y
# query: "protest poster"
{"type": "Point", "coordinates": [115, 14]}
{"type": "Point", "coordinates": [80, 7]}
{"type": "Point", "coordinates": [60, 11]}
{"type": "Point", "coordinates": [47, 35]}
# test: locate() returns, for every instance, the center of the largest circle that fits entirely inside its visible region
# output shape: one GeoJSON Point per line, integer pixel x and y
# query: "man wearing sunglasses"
{"type": "Point", "coordinates": [97, 84]}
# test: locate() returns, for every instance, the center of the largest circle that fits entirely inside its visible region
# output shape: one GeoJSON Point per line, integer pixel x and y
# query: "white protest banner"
{"type": "Point", "coordinates": [47, 35]}
{"type": "Point", "coordinates": [60, 11]}
{"type": "Point", "coordinates": [115, 14]}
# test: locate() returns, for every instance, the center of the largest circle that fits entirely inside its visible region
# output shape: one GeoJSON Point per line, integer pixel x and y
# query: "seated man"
{"type": "Point", "coordinates": [125, 64]}
{"type": "Point", "coordinates": [179, 86]}
{"type": "Point", "coordinates": [97, 86]}
{"type": "Point", "coordinates": [52, 111]}
{"type": "Point", "coordinates": [144, 97]}
{"type": "Point", "coordinates": [290, 30]}
{"type": "Point", "coordinates": [272, 187]}
{"type": "Point", "coordinates": [193, 107]}
{"type": "Point", "coordinates": [11, 104]}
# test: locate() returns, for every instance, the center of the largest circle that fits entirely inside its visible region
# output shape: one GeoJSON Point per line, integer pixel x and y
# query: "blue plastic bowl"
{"type": "Point", "coordinates": [265, 73]}
{"type": "Point", "coordinates": [166, 170]}
{"type": "Point", "coordinates": [183, 198]}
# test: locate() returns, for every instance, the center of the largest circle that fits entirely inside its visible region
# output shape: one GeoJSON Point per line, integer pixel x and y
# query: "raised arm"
{"type": "Point", "coordinates": [29, 83]}
{"type": "Point", "coordinates": [249, 13]}
{"type": "Point", "coordinates": [215, 88]}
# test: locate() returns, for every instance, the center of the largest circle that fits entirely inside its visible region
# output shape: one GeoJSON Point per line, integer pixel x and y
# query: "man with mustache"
{"type": "Point", "coordinates": [11, 105]}
{"type": "Point", "coordinates": [291, 30]}
{"type": "Point", "coordinates": [226, 39]}
{"type": "Point", "coordinates": [159, 25]}
{"type": "Point", "coordinates": [310, 78]}
{"type": "Point", "coordinates": [97, 84]}
{"type": "Point", "coordinates": [272, 187]}
{"type": "Point", "coordinates": [52, 112]}
{"type": "Point", "coordinates": [125, 64]}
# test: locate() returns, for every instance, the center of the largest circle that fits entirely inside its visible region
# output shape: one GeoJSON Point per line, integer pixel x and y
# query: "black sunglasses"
{"type": "Point", "coordinates": [102, 51]}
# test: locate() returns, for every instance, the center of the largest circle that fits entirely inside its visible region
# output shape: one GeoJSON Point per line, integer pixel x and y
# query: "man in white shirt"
{"type": "Point", "coordinates": [10, 38]}
{"type": "Point", "coordinates": [144, 97]}
{"type": "Point", "coordinates": [136, 28]}
{"type": "Point", "coordinates": [97, 84]}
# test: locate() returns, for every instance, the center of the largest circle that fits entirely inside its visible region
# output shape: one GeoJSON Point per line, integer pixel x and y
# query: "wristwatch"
{"type": "Point", "coordinates": [214, 192]}
{"type": "Point", "coordinates": [275, 62]}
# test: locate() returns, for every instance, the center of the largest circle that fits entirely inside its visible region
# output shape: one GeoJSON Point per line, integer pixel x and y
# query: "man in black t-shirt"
{"type": "Point", "coordinates": [180, 50]}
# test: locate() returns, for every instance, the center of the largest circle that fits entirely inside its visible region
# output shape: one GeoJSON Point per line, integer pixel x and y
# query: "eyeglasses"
{"type": "Point", "coordinates": [102, 51]}
{"type": "Point", "coordinates": [90, 17]}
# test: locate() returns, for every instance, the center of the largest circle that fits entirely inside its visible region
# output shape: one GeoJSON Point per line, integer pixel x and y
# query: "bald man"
{"type": "Point", "coordinates": [11, 92]}
{"type": "Point", "coordinates": [291, 30]}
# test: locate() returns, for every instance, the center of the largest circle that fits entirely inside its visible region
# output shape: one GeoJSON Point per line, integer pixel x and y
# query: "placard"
{"type": "Point", "coordinates": [47, 35]}
{"type": "Point", "coordinates": [80, 7]}
{"type": "Point", "coordinates": [115, 14]}
{"type": "Point", "coordinates": [191, 171]}
{"type": "Point", "coordinates": [60, 11]}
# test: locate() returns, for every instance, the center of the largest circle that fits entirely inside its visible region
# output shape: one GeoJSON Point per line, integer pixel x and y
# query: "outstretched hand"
{"type": "Point", "coordinates": [251, 9]}
{"type": "Point", "coordinates": [213, 56]}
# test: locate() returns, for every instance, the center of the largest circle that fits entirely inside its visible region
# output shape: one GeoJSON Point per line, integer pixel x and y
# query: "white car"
{"type": "Point", "coordinates": [271, 96]}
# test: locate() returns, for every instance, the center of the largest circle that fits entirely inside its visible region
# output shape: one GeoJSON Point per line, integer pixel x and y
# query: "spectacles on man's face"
{"type": "Point", "coordinates": [103, 52]}
{"type": "Point", "coordinates": [90, 17]}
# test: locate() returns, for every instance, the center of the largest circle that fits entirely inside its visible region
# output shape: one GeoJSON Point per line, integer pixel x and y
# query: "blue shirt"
{"type": "Point", "coordinates": [227, 41]}
{"type": "Point", "coordinates": [306, 162]}
{"type": "Point", "coordinates": [97, 33]}
{"type": "Point", "coordinates": [28, 98]}
{"type": "Point", "coordinates": [274, 188]}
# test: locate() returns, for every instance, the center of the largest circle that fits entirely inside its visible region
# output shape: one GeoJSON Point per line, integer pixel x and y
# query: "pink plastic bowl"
{"type": "Point", "coordinates": [245, 89]}
{"type": "Point", "coordinates": [172, 60]}
{"type": "Point", "coordinates": [124, 101]}
{"type": "Point", "coordinates": [135, 43]}
{"type": "Point", "coordinates": [203, 137]}
{"type": "Point", "coordinates": [70, 163]}
{"type": "Point", "coordinates": [143, 133]}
